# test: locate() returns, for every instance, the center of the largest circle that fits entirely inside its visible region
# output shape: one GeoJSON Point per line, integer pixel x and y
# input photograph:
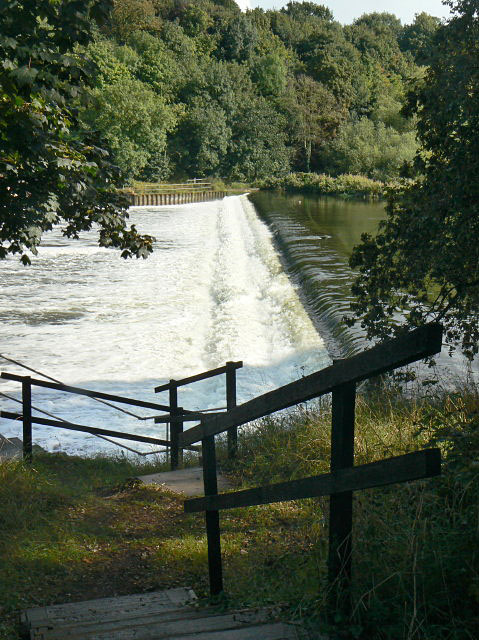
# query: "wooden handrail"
{"type": "Point", "coordinates": [344, 478]}
{"type": "Point", "coordinates": [411, 466]}
{"type": "Point", "coordinates": [91, 394]}
{"type": "Point", "coordinates": [199, 376]}
{"type": "Point", "coordinates": [420, 343]}
{"type": "Point", "coordinates": [60, 424]}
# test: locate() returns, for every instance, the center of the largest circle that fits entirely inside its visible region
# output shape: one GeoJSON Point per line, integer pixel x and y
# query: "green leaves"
{"type": "Point", "coordinates": [424, 263]}
{"type": "Point", "coordinates": [51, 171]}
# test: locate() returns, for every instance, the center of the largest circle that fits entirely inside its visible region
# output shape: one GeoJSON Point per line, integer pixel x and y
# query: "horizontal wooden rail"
{"type": "Point", "coordinates": [412, 466]}
{"type": "Point", "coordinates": [91, 394]}
{"type": "Point", "coordinates": [184, 418]}
{"type": "Point", "coordinates": [200, 376]}
{"type": "Point", "coordinates": [93, 430]}
{"type": "Point", "coordinates": [420, 343]}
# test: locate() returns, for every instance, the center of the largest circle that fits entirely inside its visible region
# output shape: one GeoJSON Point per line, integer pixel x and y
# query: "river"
{"type": "Point", "coordinates": [213, 290]}
{"type": "Point", "coordinates": [264, 280]}
{"type": "Point", "coordinates": [315, 237]}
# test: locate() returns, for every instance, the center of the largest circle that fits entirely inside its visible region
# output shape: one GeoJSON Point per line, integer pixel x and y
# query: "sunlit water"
{"type": "Point", "coordinates": [213, 290]}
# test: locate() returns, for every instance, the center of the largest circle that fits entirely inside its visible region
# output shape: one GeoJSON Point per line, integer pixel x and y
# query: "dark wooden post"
{"type": "Point", "coordinates": [27, 418]}
{"type": "Point", "coordinates": [175, 427]}
{"type": "Point", "coordinates": [341, 504]}
{"type": "Point", "coordinates": [212, 517]}
{"type": "Point", "coordinates": [230, 404]}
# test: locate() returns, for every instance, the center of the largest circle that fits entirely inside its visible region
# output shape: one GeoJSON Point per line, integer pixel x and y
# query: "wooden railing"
{"type": "Point", "coordinates": [28, 419]}
{"type": "Point", "coordinates": [177, 412]}
{"type": "Point", "coordinates": [340, 379]}
{"type": "Point", "coordinates": [176, 416]}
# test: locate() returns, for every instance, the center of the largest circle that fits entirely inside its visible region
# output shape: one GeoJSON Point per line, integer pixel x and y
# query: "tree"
{"type": "Point", "coordinates": [129, 16]}
{"type": "Point", "coordinates": [238, 39]}
{"type": "Point", "coordinates": [269, 73]}
{"type": "Point", "coordinates": [424, 262]}
{"type": "Point", "coordinates": [305, 10]}
{"type": "Point", "coordinates": [50, 171]}
{"type": "Point", "coordinates": [316, 115]}
{"type": "Point", "coordinates": [418, 37]}
{"type": "Point", "coordinates": [258, 143]}
{"type": "Point", "coordinates": [133, 119]}
{"type": "Point", "coordinates": [368, 148]}
{"type": "Point", "coordinates": [200, 143]}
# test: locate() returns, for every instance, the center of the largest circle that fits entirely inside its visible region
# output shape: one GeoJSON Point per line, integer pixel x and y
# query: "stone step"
{"type": "Point", "coordinates": [10, 447]}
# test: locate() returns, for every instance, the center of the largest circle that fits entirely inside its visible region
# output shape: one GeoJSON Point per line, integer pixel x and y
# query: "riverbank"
{"type": "Point", "coordinates": [346, 185]}
{"type": "Point", "coordinates": [76, 528]}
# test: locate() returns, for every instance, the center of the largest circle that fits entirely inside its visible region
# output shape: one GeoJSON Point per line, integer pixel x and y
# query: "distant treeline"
{"type": "Point", "coordinates": [198, 88]}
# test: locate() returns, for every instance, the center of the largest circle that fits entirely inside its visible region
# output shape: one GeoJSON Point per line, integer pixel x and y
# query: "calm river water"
{"type": "Point", "coordinates": [315, 237]}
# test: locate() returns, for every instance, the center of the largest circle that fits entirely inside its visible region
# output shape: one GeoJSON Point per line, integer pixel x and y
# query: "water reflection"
{"type": "Point", "coordinates": [316, 237]}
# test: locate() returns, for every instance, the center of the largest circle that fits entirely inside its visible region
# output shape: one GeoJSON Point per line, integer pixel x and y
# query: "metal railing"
{"type": "Point", "coordinates": [172, 188]}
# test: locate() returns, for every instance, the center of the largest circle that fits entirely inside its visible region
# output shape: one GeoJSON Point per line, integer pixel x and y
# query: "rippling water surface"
{"type": "Point", "coordinates": [214, 290]}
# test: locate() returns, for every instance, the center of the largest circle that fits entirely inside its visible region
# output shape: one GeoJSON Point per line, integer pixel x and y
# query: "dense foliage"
{"type": "Point", "coordinates": [52, 171]}
{"type": "Point", "coordinates": [196, 87]}
{"type": "Point", "coordinates": [424, 263]}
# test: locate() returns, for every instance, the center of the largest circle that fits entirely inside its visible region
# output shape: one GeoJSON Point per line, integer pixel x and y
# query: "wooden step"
{"type": "Point", "coordinates": [107, 609]}
{"type": "Point", "coordinates": [162, 615]}
{"type": "Point", "coordinates": [202, 624]}
{"type": "Point", "coordinates": [277, 631]}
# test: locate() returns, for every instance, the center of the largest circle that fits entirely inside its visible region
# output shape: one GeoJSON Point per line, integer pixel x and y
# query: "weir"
{"type": "Point", "coordinates": [212, 291]}
{"type": "Point", "coordinates": [182, 197]}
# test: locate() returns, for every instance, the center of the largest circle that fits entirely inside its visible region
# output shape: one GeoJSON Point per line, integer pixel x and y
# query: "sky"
{"type": "Point", "coordinates": [345, 11]}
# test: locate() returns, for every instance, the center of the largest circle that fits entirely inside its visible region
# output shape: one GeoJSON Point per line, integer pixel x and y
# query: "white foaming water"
{"type": "Point", "coordinates": [213, 290]}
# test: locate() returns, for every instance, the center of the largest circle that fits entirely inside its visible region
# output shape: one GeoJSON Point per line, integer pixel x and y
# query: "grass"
{"type": "Point", "coordinates": [73, 529]}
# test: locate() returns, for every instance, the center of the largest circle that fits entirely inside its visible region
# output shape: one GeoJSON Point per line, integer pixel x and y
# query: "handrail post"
{"type": "Point", "coordinates": [212, 518]}
{"type": "Point", "coordinates": [27, 418]}
{"type": "Point", "coordinates": [341, 504]}
{"type": "Point", "coordinates": [230, 404]}
{"type": "Point", "coordinates": [175, 427]}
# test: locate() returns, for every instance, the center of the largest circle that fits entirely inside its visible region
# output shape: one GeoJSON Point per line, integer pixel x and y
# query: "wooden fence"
{"type": "Point", "coordinates": [178, 413]}
{"type": "Point", "coordinates": [175, 415]}
{"type": "Point", "coordinates": [340, 379]}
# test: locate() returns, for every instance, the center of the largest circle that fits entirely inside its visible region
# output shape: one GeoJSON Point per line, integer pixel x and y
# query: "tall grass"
{"type": "Point", "coordinates": [416, 551]}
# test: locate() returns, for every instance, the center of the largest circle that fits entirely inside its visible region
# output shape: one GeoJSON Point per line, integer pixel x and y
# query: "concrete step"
{"type": "Point", "coordinates": [10, 448]}
{"type": "Point", "coordinates": [187, 481]}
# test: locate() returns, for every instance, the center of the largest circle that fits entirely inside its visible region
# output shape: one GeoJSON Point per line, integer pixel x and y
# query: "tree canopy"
{"type": "Point", "coordinates": [98, 93]}
{"type": "Point", "coordinates": [198, 64]}
{"type": "Point", "coordinates": [51, 170]}
{"type": "Point", "coordinates": [424, 262]}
